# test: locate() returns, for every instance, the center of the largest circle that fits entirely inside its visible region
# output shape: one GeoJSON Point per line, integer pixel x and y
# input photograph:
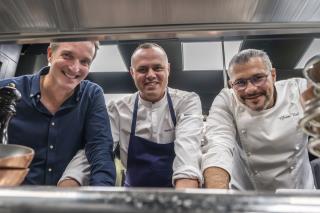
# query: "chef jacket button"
{"type": "Point", "coordinates": [292, 167]}
{"type": "Point", "coordinates": [255, 172]}
{"type": "Point", "coordinates": [297, 147]}
{"type": "Point", "coordinates": [49, 170]}
{"type": "Point", "coordinates": [248, 154]}
{"type": "Point", "coordinates": [243, 131]}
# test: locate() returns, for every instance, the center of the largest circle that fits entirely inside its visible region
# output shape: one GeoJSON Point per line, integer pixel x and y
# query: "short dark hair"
{"type": "Point", "coordinates": [148, 45]}
{"type": "Point", "coordinates": [245, 55]}
{"type": "Point", "coordinates": [54, 46]}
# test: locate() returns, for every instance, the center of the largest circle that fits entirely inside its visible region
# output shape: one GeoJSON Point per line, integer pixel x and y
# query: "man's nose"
{"type": "Point", "coordinates": [250, 86]}
{"type": "Point", "coordinates": [75, 66]}
{"type": "Point", "coordinates": [150, 73]}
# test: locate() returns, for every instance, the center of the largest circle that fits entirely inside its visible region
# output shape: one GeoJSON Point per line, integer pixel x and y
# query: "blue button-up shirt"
{"type": "Point", "coordinates": [81, 122]}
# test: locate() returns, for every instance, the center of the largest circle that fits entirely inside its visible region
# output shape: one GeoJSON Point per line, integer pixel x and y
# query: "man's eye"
{"type": "Point", "coordinates": [240, 82]}
{"type": "Point", "coordinates": [142, 70]}
{"type": "Point", "coordinates": [158, 68]}
{"type": "Point", "coordinates": [258, 78]}
{"type": "Point", "coordinates": [66, 55]}
{"type": "Point", "coordinates": [86, 62]}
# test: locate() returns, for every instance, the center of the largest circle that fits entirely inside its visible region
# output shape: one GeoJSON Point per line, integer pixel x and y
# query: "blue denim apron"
{"type": "Point", "coordinates": [149, 164]}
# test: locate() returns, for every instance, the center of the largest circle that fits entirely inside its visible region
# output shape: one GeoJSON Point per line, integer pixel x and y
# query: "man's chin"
{"type": "Point", "coordinates": [151, 96]}
{"type": "Point", "coordinates": [255, 106]}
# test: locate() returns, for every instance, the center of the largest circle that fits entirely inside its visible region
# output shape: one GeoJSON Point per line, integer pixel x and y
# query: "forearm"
{"type": "Point", "coordinates": [217, 178]}
{"type": "Point", "coordinates": [186, 183]}
{"type": "Point", "coordinates": [77, 172]}
{"type": "Point", "coordinates": [99, 144]}
{"type": "Point", "coordinates": [187, 163]}
{"type": "Point", "coordinates": [68, 183]}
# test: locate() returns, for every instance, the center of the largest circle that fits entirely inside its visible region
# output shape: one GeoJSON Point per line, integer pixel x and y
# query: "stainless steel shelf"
{"type": "Point", "coordinates": [89, 199]}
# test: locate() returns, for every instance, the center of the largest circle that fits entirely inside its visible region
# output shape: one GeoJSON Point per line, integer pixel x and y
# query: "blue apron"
{"type": "Point", "coordinates": [149, 164]}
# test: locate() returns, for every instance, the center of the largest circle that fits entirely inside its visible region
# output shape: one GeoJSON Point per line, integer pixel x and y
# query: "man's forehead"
{"type": "Point", "coordinates": [254, 65]}
{"type": "Point", "coordinates": [148, 54]}
{"type": "Point", "coordinates": [72, 47]}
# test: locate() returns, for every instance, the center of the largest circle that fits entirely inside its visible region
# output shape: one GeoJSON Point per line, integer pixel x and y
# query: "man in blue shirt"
{"type": "Point", "coordinates": [60, 113]}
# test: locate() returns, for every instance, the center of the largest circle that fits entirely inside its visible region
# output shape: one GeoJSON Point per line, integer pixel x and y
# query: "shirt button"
{"type": "Point", "coordinates": [297, 148]}
{"type": "Point", "coordinates": [52, 123]}
{"type": "Point", "coordinates": [38, 96]}
{"type": "Point", "coordinates": [292, 167]}
{"type": "Point", "coordinates": [49, 170]}
{"type": "Point", "coordinates": [255, 172]}
{"type": "Point", "coordinates": [51, 146]}
{"type": "Point", "coordinates": [243, 131]}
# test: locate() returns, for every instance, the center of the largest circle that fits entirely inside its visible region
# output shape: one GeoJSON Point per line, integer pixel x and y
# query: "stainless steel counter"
{"type": "Point", "coordinates": [88, 199]}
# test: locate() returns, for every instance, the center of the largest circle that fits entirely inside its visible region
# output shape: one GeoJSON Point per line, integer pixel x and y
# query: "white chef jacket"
{"type": "Point", "coordinates": [154, 123]}
{"type": "Point", "coordinates": [263, 150]}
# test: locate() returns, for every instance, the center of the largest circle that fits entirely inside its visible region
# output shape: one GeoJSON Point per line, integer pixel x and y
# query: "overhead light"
{"type": "Point", "coordinates": [201, 56]}
{"type": "Point", "coordinates": [313, 50]}
{"type": "Point", "coordinates": [108, 59]}
{"type": "Point", "coordinates": [230, 49]}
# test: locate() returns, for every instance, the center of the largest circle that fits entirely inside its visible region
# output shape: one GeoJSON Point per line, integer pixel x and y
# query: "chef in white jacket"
{"type": "Point", "coordinates": [252, 140]}
{"type": "Point", "coordinates": [158, 128]}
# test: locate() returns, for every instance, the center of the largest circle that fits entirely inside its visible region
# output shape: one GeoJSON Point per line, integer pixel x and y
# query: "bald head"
{"type": "Point", "coordinates": [145, 46]}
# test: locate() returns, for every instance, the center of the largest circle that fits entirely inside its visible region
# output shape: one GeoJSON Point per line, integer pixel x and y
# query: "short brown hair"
{"type": "Point", "coordinates": [55, 45]}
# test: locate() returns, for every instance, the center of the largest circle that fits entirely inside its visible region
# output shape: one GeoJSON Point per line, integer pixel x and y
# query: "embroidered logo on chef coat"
{"type": "Point", "coordinates": [285, 116]}
{"type": "Point", "coordinates": [169, 130]}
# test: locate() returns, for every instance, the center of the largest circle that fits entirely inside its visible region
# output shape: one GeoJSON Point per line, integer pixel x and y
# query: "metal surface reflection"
{"type": "Point", "coordinates": [52, 199]}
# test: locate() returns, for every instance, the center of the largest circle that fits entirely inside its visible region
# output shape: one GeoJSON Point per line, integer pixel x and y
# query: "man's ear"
{"type": "Point", "coordinates": [230, 83]}
{"type": "Point", "coordinates": [49, 54]}
{"type": "Point", "coordinates": [274, 74]}
{"type": "Point", "coordinates": [169, 68]}
{"type": "Point", "coordinates": [131, 71]}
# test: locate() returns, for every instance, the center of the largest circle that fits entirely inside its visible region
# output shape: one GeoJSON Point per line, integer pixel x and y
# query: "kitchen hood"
{"type": "Point", "coordinates": [39, 21]}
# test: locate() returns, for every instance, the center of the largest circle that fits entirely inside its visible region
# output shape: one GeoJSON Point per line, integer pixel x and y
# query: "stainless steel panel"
{"type": "Point", "coordinates": [26, 21]}
{"type": "Point", "coordinates": [51, 199]}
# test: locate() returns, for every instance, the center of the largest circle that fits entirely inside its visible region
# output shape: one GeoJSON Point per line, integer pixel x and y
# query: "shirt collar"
{"type": "Point", "coordinates": [156, 104]}
{"type": "Point", "coordinates": [35, 85]}
{"type": "Point", "coordinates": [35, 82]}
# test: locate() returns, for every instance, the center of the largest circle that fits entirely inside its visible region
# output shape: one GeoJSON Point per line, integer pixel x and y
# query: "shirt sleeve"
{"type": "Point", "coordinates": [302, 84]}
{"type": "Point", "coordinates": [99, 143]}
{"type": "Point", "coordinates": [78, 169]}
{"type": "Point", "coordinates": [114, 122]}
{"type": "Point", "coordinates": [220, 135]}
{"type": "Point", "coordinates": [187, 142]}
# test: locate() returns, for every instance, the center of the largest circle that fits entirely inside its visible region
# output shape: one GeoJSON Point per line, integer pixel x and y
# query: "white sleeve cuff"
{"type": "Point", "coordinates": [78, 169]}
{"type": "Point", "coordinates": [187, 172]}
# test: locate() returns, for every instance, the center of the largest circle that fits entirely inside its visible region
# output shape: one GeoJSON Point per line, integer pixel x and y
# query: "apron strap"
{"type": "Point", "coordinates": [173, 116]}
{"type": "Point", "coordinates": [134, 116]}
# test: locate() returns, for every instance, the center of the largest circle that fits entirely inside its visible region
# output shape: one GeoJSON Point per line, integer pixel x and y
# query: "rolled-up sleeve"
{"type": "Point", "coordinates": [78, 169]}
{"type": "Point", "coordinates": [187, 142]}
{"type": "Point", "coordinates": [99, 142]}
{"type": "Point", "coordinates": [114, 116]}
{"type": "Point", "coordinates": [220, 135]}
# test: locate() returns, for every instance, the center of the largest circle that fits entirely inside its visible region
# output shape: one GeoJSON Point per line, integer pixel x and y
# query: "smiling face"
{"type": "Point", "coordinates": [70, 63]}
{"type": "Point", "coordinates": [255, 97]}
{"type": "Point", "coordinates": [150, 72]}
